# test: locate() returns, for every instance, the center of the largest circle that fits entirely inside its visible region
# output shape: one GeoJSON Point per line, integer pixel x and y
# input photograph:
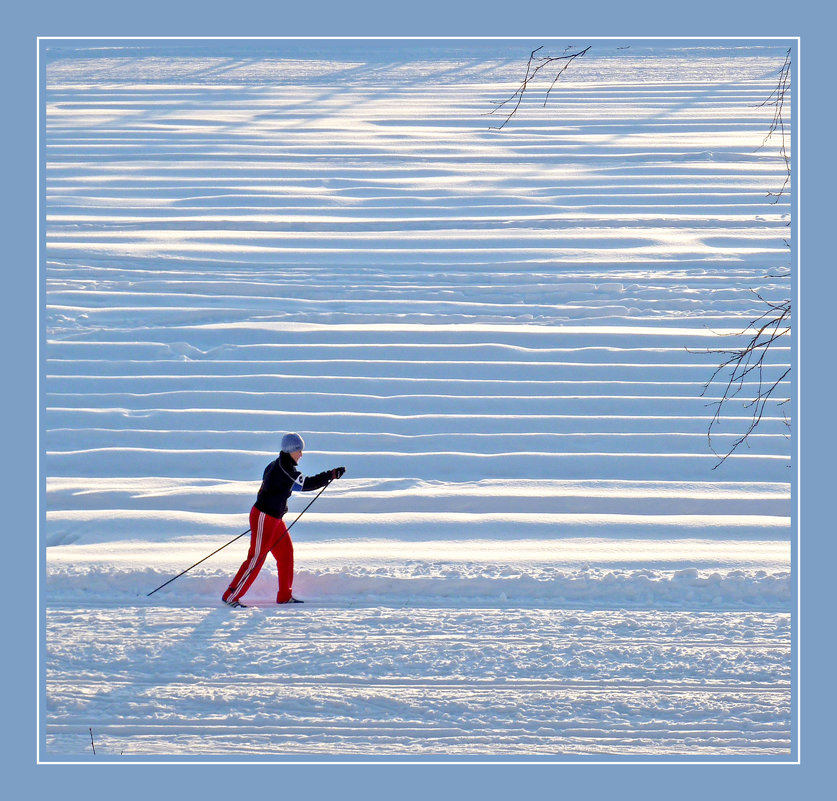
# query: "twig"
{"type": "Point", "coordinates": [765, 330]}
{"type": "Point", "coordinates": [91, 742]}
{"type": "Point", "coordinates": [777, 99]}
{"type": "Point", "coordinates": [533, 67]}
{"type": "Point", "coordinates": [742, 363]}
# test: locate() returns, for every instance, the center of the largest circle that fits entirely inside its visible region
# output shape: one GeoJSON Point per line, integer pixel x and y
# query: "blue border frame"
{"type": "Point", "coordinates": [816, 557]}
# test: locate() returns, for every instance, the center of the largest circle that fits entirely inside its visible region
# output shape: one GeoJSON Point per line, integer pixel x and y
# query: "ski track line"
{"type": "Point", "coordinates": [516, 707]}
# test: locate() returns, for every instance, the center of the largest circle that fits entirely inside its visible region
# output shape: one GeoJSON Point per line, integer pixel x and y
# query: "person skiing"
{"type": "Point", "coordinates": [268, 533]}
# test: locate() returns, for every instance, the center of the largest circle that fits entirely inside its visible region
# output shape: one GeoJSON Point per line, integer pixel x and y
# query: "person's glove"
{"type": "Point", "coordinates": [337, 472]}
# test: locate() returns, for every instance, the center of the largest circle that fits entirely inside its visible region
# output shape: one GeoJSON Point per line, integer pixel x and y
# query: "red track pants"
{"type": "Point", "coordinates": [267, 535]}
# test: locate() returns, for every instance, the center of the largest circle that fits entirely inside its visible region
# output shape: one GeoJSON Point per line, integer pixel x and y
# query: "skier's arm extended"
{"type": "Point", "coordinates": [308, 483]}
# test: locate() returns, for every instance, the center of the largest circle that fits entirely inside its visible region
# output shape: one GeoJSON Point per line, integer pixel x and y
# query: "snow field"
{"type": "Point", "coordinates": [504, 336]}
{"type": "Point", "coordinates": [419, 682]}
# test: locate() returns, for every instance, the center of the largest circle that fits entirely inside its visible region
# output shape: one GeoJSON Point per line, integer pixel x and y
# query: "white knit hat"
{"type": "Point", "coordinates": [292, 443]}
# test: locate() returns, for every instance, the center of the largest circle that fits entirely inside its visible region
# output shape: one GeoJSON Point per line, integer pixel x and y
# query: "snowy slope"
{"type": "Point", "coordinates": [502, 334]}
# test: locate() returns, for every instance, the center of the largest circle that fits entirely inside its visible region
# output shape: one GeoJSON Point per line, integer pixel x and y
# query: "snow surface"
{"type": "Point", "coordinates": [502, 334]}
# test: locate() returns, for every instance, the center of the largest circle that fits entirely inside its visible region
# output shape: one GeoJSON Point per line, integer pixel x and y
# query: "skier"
{"type": "Point", "coordinates": [268, 532]}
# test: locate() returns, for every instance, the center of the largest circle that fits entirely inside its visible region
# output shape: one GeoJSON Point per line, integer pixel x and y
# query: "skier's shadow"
{"type": "Point", "coordinates": [196, 652]}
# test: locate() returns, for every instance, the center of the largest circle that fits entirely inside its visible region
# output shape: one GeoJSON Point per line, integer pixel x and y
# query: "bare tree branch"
{"type": "Point", "coordinates": [742, 369]}
{"type": "Point", "coordinates": [748, 362]}
{"type": "Point", "coordinates": [777, 99]}
{"type": "Point", "coordinates": [533, 67]}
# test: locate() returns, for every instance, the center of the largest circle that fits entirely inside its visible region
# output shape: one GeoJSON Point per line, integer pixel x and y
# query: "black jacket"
{"type": "Point", "coordinates": [280, 479]}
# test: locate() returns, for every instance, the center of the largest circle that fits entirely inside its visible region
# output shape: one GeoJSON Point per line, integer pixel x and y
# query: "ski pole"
{"type": "Point", "coordinates": [309, 505]}
{"type": "Point", "coordinates": [202, 560]}
{"type": "Point", "coordinates": [301, 514]}
{"type": "Point", "coordinates": [233, 540]}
